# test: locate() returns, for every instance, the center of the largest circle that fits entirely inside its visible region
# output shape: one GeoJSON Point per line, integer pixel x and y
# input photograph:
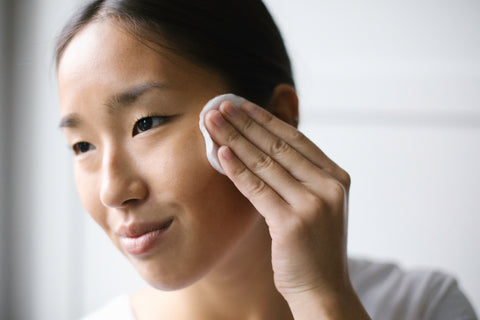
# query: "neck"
{"type": "Point", "coordinates": [241, 286]}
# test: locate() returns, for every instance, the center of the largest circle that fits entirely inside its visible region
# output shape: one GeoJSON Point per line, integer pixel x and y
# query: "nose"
{"type": "Point", "coordinates": [121, 183]}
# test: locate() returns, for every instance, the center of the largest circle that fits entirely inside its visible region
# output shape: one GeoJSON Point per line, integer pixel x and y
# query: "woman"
{"type": "Point", "coordinates": [267, 240]}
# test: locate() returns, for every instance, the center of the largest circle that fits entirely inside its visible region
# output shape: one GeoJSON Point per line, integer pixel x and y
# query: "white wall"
{"type": "Point", "coordinates": [391, 91]}
{"type": "Point", "coordinates": [388, 89]}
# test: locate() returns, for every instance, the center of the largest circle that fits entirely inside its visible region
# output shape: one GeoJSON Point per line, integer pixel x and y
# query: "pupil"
{"type": "Point", "coordinates": [145, 124]}
{"type": "Point", "coordinates": [83, 147]}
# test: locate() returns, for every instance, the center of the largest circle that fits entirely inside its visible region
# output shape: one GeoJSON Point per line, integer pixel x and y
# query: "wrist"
{"type": "Point", "coordinates": [327, 304]}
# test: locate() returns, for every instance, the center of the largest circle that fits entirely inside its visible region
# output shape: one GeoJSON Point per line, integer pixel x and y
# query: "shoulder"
{"type": "Point", "coordinates": [389, 292]}
{"type": "Point", "coordinates": [119, 308]}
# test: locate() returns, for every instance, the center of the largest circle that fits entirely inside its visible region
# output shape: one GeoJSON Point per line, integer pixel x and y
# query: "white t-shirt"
{"type": "Point", "coordinates": [386, 291]}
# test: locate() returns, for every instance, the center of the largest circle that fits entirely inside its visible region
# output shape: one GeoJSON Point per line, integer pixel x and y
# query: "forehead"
{"type": "Point", "coordinates": [104, 59]}
{"type": "Point", "coordinates": [104, 51]}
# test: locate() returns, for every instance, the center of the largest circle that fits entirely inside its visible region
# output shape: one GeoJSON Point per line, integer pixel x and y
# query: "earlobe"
{"type": "Point", "coordinates": [284, 104]}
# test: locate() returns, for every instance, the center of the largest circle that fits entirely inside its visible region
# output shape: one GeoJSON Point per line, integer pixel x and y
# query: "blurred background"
{"type": "Point", "coordinates": [389, 89]}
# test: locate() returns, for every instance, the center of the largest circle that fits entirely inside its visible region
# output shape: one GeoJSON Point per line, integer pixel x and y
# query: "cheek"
{"type": "Point", "coordinates": [186, 168]}
{"type": "Point", "coordinates": [219, 212]}
{"type": "Point", "coordinates": [189, 179]}
{"type": "Point", "coordinates": [183, 171]}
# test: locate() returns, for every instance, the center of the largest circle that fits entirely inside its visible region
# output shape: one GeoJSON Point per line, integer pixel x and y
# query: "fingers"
{"type": "Point", "coordinates": [265, 157]}
{"type": "Point", "coordinates": [253, 162]}
{"type": "Point", "coordinates": [268, 202]}
{"type": "Point", "coordinates": [297, 140]}
{"type": "Point", "coordinates": [261, 195]}
{"type": "Point", "coordinates": [276, 147]}
{"type": "Point", "coordinates": [296, 153]}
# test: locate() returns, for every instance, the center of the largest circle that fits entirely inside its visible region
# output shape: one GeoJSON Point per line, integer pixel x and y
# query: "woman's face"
{"type": "Point", "coordinates": [131, 116]}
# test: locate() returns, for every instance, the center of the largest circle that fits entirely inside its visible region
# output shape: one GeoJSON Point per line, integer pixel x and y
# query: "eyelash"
{"type": "Point", "coordinates": [77, 147]}
{"type": "Point", "coordinates": [154, 121]}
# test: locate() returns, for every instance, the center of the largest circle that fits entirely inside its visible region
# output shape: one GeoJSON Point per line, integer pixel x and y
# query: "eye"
{"type": "Point", "coordinates": [148, 123]}
{"type": "Point", "coordinates": [82, 147]}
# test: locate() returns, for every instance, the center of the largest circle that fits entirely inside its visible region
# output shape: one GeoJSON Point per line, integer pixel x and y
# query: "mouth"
{"type": "Point", "coordinates": [139, 239]}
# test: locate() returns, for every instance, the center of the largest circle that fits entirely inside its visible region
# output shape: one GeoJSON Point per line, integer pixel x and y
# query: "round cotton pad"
{"type": "Point", "coordinates": [211, 146]}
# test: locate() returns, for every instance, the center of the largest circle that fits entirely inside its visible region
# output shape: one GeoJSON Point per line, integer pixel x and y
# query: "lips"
{"type": "Point", "coordinates": [139, 238]}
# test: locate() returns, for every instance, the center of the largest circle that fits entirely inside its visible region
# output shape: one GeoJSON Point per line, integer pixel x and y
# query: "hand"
{"type": "Point", "coordinates": [302, 194]}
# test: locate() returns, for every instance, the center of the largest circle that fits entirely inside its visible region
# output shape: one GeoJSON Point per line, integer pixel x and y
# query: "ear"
{"type": "Point", "coordinates": [284, 104]}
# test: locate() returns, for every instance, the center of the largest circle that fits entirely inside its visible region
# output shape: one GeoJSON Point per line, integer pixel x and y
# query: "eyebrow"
{"type": "Point", "coordinates": [121, 100]}
{"type": "Point", "coordinates": [71, 120]}
{"type": "Point", "coordinates": [129, 96]}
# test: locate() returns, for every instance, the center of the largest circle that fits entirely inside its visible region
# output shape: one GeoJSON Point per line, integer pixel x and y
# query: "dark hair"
{"type": "Point", "coordinates": [236, 38]}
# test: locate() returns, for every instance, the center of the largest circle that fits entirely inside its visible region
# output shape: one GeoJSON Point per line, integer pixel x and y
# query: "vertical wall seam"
{"type": "Point", "coordinates": [7, 97]}
{"type": "Point", "coordinates": [20, 266]}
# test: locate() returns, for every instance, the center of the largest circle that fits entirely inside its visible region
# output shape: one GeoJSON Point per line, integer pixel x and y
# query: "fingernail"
{"type": "Point", "coordinates": [218, 119]}
{"type": "Point", "coordinates": [226, 153]}
{"type": "Point", "coordinates": [230, 109]}
{"type": "Point", "coordinates": [250, 108]}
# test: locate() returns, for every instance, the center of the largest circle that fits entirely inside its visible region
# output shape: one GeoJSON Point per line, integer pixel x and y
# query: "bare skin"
{"type": "Point", "coordinates": [266, 241]}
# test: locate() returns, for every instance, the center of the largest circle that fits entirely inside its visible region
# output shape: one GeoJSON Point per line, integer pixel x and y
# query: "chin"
{"type": "Point", "coordinates": [169, 285]}
{"type": "Point", "coordinates": [171, 280]}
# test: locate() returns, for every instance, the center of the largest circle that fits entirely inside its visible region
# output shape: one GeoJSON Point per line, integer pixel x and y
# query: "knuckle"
{"type": "Point", "coordinates": [345, 179]}
{"type": "Point", "coordinates": [279, 147]}
{"type": "Point", "coordinates": [336, 190]}
{"type": "Point", "coordinates": [257, 187]}
{"type": "Point", "coordinates": [233, 136]}
{"type": "Point", "coordinates": [247, 124]}
{"type": "Point", "coordinates": [297, 137]}
{"type": "Point", "coordinates": [240, 172]}
{"type": "Point", "coordinates": [267, 117]}
{"type": "Point", "coordinates": [263, 162]}
{"type": "Point", "coordinates": [314, 202]}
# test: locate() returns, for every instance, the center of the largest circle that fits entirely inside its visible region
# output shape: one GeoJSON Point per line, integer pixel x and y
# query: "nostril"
{"type": "Point", "coordinates": [131, 202]}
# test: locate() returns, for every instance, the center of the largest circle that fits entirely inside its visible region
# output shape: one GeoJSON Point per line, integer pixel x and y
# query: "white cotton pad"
{"type": "Point", "coordinates": [211, 146]}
